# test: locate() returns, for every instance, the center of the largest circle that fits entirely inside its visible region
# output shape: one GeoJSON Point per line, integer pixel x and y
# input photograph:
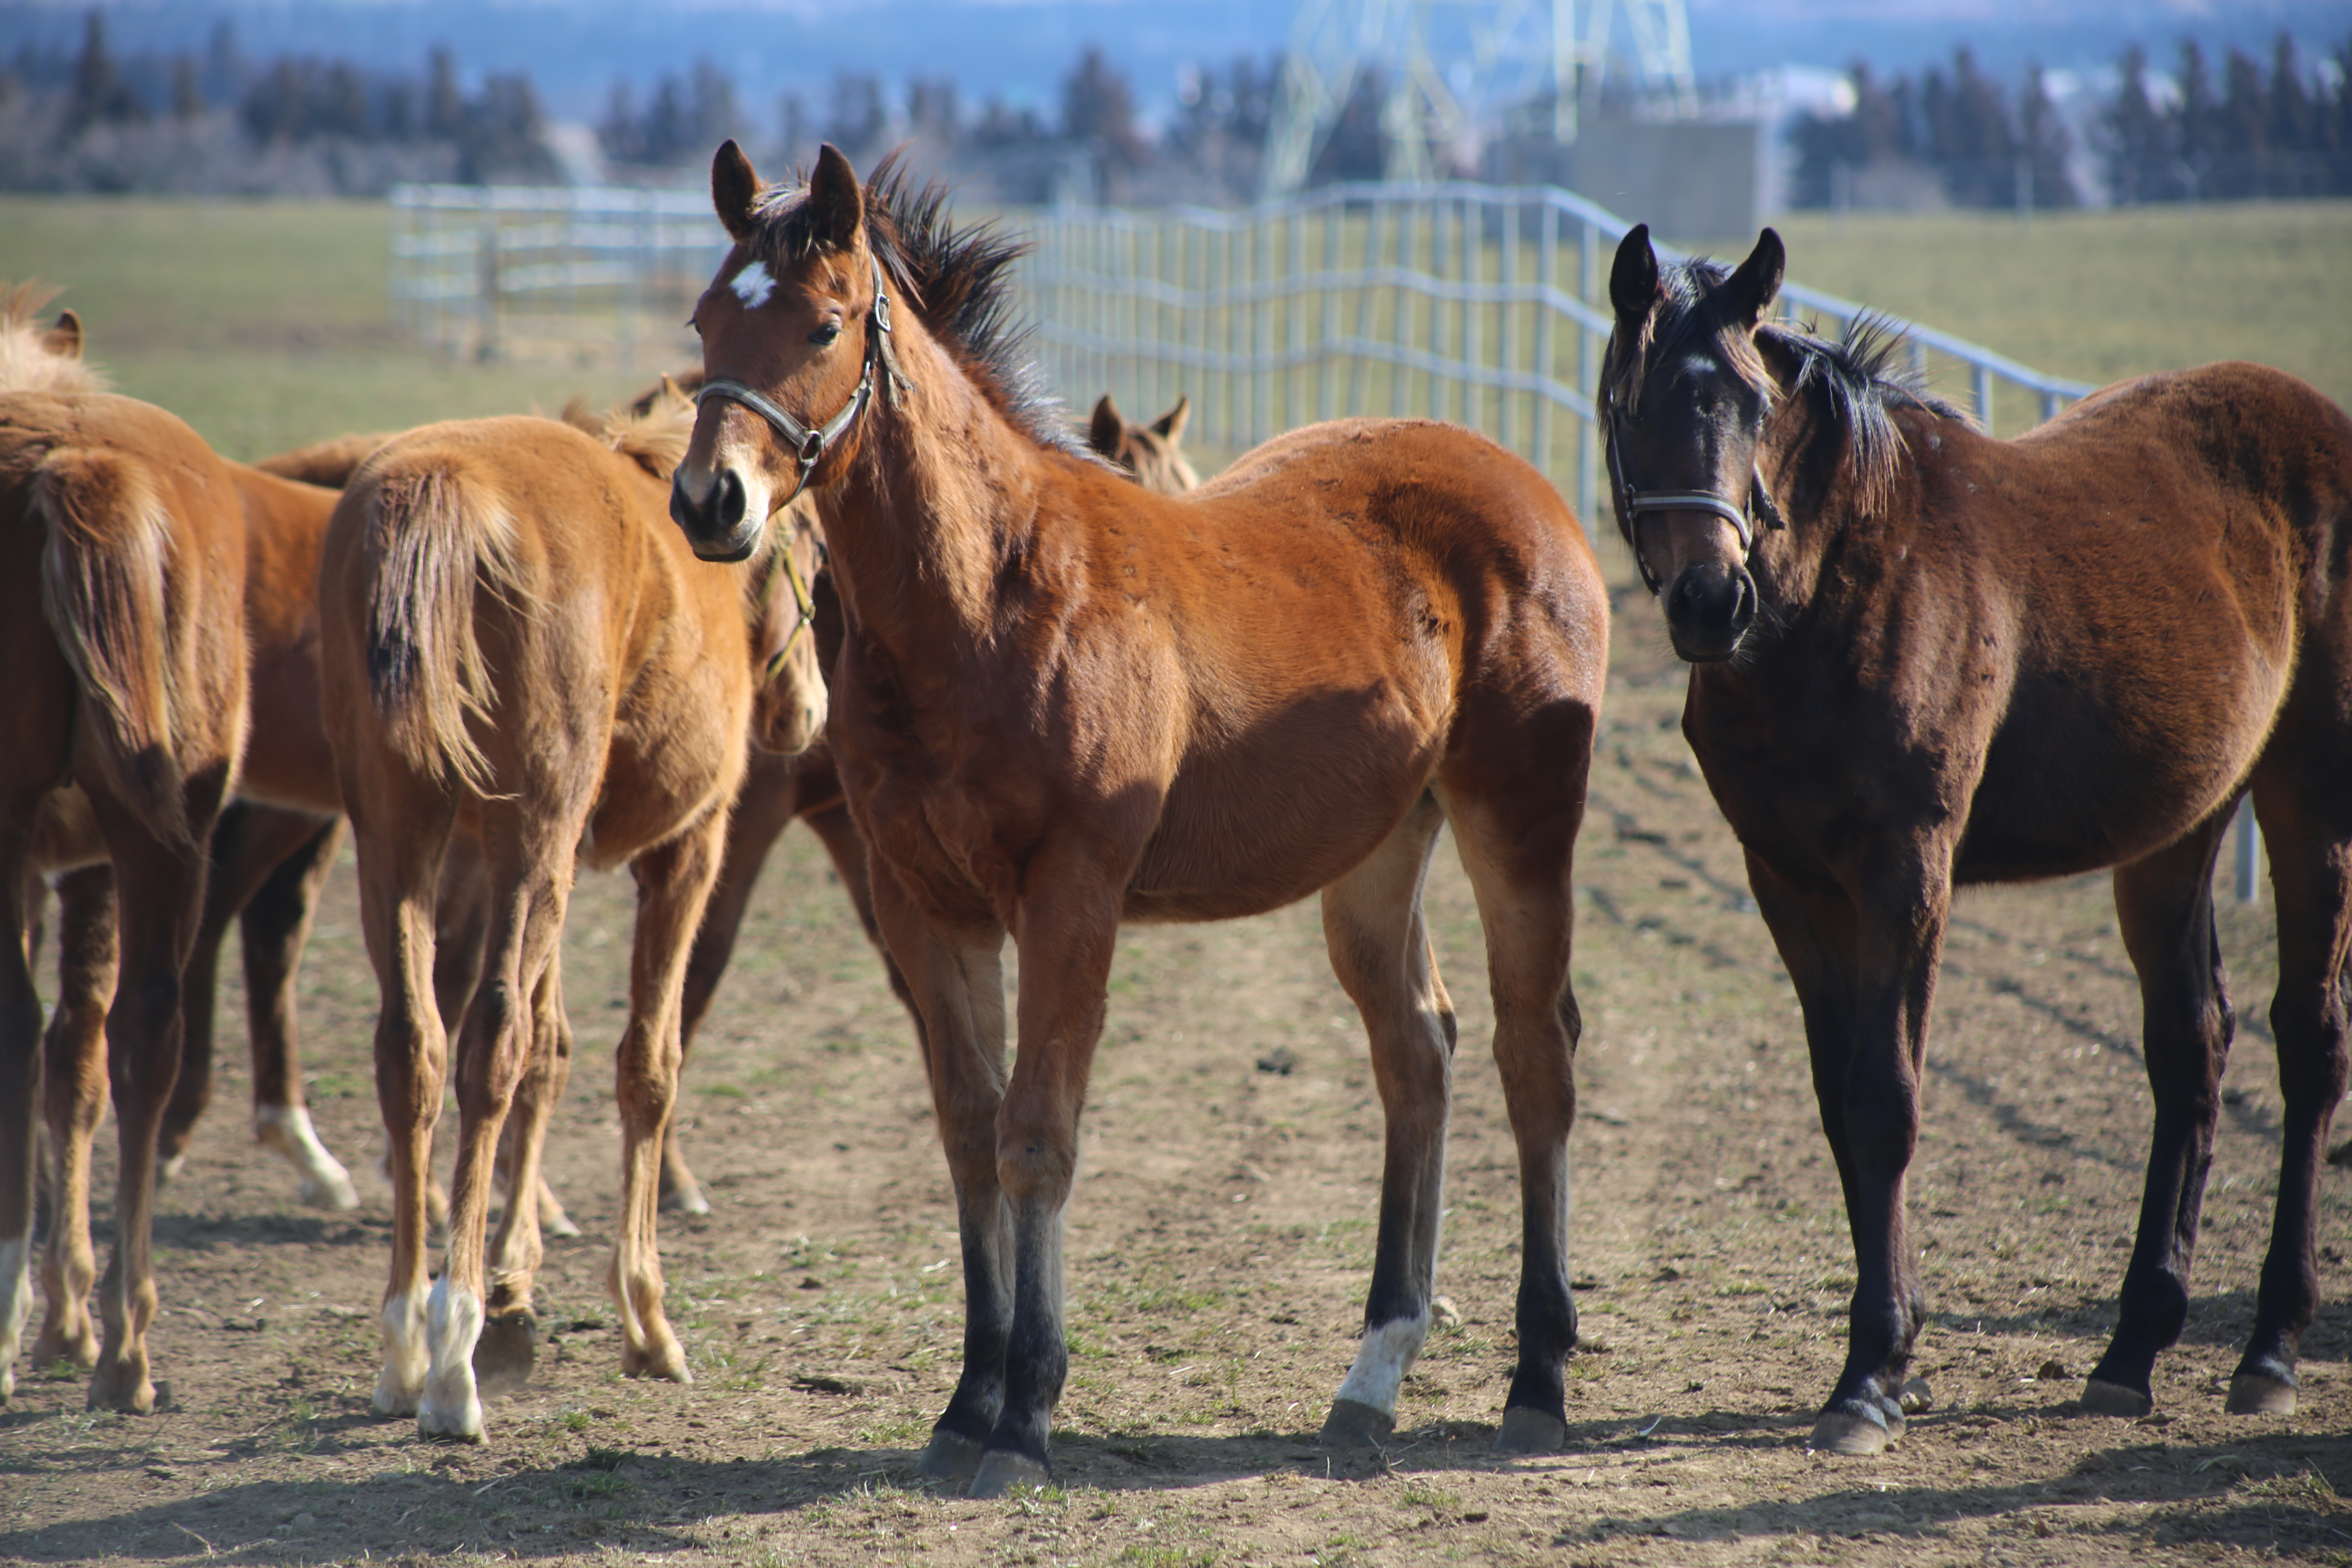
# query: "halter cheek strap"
{"type": "Point", "coordinates": [785, 566]}
{"type": "Point", "coordinates": [809, 445]}
{"type": "Point", "coordinates": [1631, 503]}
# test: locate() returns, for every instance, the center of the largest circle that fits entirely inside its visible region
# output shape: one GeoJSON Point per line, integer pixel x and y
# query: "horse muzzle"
{"type": "Point", "coordinates": [723, 525]}
{"type": "Point", "coordinates": [1709, 607]}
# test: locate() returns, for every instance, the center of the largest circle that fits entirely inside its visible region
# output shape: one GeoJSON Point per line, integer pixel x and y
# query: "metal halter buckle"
{"type": "Point", "coordinates": [808, 444]}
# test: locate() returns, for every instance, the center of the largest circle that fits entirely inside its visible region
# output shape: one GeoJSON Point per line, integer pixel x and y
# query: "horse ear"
{"type": "Point", "coordinates": [1753, 288]}
{"type": "Point", "coordinates": [64, 339]}
{"type": "Point", "coordinates": [835, 204]}
{"type": "Point", "coordinates": [734, 188]}
{"type": "Point", "coordinates": [1107, 432]}
{"type": "Point", "coordinates": [1633, 279]}
{"type": "Point", "coordinates": [1169, 426]}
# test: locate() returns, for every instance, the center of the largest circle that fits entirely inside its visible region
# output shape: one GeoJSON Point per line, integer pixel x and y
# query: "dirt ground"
{"type": "Point", "coordinates": [1219, 1245]}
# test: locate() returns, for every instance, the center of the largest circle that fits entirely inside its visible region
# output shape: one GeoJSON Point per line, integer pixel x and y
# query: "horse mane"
{"type": "Point", "coordinates": [653, 433]}
{"type": "Point", "coordinates": [1858, 381]}
{"type": "Point", "coordinates": [958, 279]}
{"type": "Point", "coordinates": [25, 362]}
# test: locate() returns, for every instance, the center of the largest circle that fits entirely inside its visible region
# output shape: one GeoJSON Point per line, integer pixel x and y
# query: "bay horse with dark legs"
{"type": "Point", "coordinates": [1062, 703]}
{"type": "Point", "coordinates": [518, 647]}
{"type": "Point", "coordinates": [1923, 657]}
{"type": "Point", "coordinates": [778, 791]}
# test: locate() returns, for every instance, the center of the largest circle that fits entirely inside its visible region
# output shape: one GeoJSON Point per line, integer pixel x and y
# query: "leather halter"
{"type": "Point", "coordinates": [808, 445]}
{"type": "Point", "coordinates": [1631, 503]}
{"type": "Point", "coordinates": [781, 564]}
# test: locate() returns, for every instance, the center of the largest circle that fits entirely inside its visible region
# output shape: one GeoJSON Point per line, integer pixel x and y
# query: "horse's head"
{"type": "Point", "coordinates": [788, 706]}
{"type": "Point", "coordinates": [33, 358]}
{"type": "Point", "coordinates": [1685, 395]}
{"type": "Point", "coordinates": [796, 344]}
{"type": "Point", "coordinates": [1149, 452]}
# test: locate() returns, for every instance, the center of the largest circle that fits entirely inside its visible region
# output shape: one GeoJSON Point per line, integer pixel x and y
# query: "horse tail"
{"type": "Point", "coordinates": [435, 542]}
{"type": "Point", "coordinates": [106, 557]}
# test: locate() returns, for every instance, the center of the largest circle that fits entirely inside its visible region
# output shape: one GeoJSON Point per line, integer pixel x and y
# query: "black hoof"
{"type": "Point", "coordinates": [2101, 1397]}
{"type": "Point", "coordinates": [2258, 1393]}
{"type": "Point", "coordinates": [1355, 1425]}
{"type": "Point", "coordinates": [1003, 1469]}
{"type": "Point", "coordinates": [1526, 1431]}
{"type": "Point", "coordinates": [505, 1355]}
{"type": "Point", "coordinates": [951, 1456]}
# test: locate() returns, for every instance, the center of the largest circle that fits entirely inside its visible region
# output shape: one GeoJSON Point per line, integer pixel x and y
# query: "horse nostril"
{"type": "Point", "coordinates": [1743, 602]}
{"type": "Point", "coordinates": [728, 500]}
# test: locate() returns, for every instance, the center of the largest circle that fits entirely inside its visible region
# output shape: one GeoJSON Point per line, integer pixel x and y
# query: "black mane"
{"type": "Point", "coordinates": [1858, 381]}
{"type": "Point", "coordinates": [957, 278]}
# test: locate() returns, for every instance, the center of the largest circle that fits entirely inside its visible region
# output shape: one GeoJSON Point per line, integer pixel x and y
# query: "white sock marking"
{"type": "Point", "coordinates": [406, 1358]}
{"type": "Point", "coordinates": [754, 284]}
{"type": "Point", "coordinates": [452, 1404]}
{"type": "Point", "coordinates": [1387, 1354]}
{"type": "Point", "coordinates": [285, 1132]}
{"type": "Point", "coordinates": [15, 1305]}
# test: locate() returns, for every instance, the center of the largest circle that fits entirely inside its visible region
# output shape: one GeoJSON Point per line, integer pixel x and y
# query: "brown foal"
{"type": "Point", "coordinates": [1062, 703]}
{"type": "Point", "coordinates": [1936, 658]}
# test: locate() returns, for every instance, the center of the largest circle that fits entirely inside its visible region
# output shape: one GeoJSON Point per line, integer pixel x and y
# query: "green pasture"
{"type": "Point", "coordinates": [268, 324]}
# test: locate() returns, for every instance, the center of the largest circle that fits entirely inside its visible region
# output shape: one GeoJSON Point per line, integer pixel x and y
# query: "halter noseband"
{"type": "Point", "coordinates": [1631, 503]}
{"type": "Point", "coordinates": [809, 445]}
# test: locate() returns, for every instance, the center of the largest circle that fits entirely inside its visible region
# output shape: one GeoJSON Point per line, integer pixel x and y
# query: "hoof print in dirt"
{"type": "Point", "coordinates": [1003, 1469]}
{"type": "Point", "coordinates": [1355, 1425]}
{"type": "Point", "coordinates": [2103, 1398]}
{"type": "Point", "coordinates": [951, 1456]}
{"type": "Point", "coordinates": [2256, 1393]}
{"type": "Point", "coordinates": [1526, 1431]}
{"type": "Point", "coordinates": [505, 1355]}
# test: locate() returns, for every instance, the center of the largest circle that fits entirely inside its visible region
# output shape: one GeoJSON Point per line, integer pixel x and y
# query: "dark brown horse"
{"type": "Point", "coordinates": [1924, 658]}
{"type": "Point", "coordinates": [1062, 702]}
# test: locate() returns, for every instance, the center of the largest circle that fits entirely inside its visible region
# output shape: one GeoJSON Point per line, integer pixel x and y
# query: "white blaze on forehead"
{"type": "Point", "coordinates": [754, 284]}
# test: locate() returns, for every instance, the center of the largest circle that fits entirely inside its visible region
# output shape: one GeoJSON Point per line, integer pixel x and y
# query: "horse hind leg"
{"type": "Point", "coordinates": [2164, 905]}
{"type": "Point", "coordinates": [1380, 951]}
{"type": "Point", "coordinates": [508, 1348]}
{"type": "Point", "coordinates": [73, 1101]}
{"type": "Point", "coordinates": [2309, 828]}
{"type": "Point", "coordinates": [276, 925]}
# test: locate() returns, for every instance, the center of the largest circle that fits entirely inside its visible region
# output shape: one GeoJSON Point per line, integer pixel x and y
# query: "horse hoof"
{"type": "Point", "coordinates": [2101, 1397]}
{"type": "Point", "coordinates": [129, 1392]}
{"type": "Point", "coordinates": [1353, 1423]}
{"type": "Point", "coordinates": [1852, 1431]}
{"type": "Point", "coordinates": [2257, 1394]}
{"type": "Point", "coordinates": [664, 1361]}
{"type": "Point", "coordinates": [169, 1170]}
{"type": "Point", "coordinates": [335, 1194]}
{"type": "Point", "coordinates": [463, 1424]}
{"type": "Point", "coordinates": [1526, 1431]}
{"type": "Point", "coordinates": [1002, 1470]}
{"type": "Point", "coordinates": [1916, 1397]}
{"type": "Point", "coordinates": [951, 1456]}
{"type": "Point", "coordinates": [506, 1353]}
{"type": "Point", "coordinates": [561, 1226]}
{"type": "Point", "coordinates": [684, 1200]}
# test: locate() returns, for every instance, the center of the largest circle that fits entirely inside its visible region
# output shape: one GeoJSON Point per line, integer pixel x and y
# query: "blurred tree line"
{"type": "Point", "coordinates": [218, 122]}
{"type": "Point", "coordinates": [1959, 136]}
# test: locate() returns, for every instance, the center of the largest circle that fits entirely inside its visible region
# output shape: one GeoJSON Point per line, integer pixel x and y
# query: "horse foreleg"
{"type": "Point", "coordinates": [276, 926]}
{"type": "Point", "coordinates": [673, 885]}
{"type": "Point", "coordinates": [1519, 863]}
{"type": "Point", "coordinates": [1379, 947]}
{"type": "Point", "coordinates": [2310, 834]}
{"type": "Point", "coordinates": [73, 1101]}
{"type": "Point", "coordinates": [1067, 929]}
{"type": "Point", "coordinates": [20, 1096]}
{"type": "Point", "coordinates": [958, 981]}
{"type": "Point", "coordinates": [2164, 905]}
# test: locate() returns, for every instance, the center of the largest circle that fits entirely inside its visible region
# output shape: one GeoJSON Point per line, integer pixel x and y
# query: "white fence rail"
{"type": "Point", "coordinates": [579, 274]}
{"type": "Point", "coordinates": [1477, 304]}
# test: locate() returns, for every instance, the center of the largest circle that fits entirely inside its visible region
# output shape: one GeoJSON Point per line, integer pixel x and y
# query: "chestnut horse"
{"type": "Point", "coordinates": [518, 646]}
{"type": "Point", "coordinates": [1063, 701]}
{"type": "Point", "coordinates": [1957, 659]}
{"type": "Point", "coordinates": [777, 790]}
{"type": "Point", "coordinates": [127, 549]}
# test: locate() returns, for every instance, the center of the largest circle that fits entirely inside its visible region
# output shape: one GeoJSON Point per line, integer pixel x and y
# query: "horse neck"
{"type": "Point", "coordinates": [1803, 459]}
{"type": "Point", "coordinates": [921, 519]}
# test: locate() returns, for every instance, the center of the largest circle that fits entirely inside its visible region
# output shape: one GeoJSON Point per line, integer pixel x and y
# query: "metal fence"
{"type": "Point", "coordinates": [580, 275]}
{"type": "Point", "coordinates": [1477, 303]}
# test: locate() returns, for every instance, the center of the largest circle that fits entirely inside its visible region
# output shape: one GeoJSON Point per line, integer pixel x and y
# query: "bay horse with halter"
{"type": "Point", "coordinates": [1062, 703]}
{"type": "Point", "coordinates": [1922, 657]}
{"type": "Point", "coordinates": [518, 647]}
{"type": "Point", "coordinates": [779, 790]}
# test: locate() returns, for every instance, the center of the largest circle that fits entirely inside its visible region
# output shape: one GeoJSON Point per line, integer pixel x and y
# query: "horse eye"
{"type": "Point", "coordinates": [696, 323]}
{"type": "Point", "coordinates": [825, 334]}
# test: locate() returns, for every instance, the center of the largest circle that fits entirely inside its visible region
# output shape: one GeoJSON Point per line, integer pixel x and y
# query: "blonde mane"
{"type": "Point", "coordinates": [28, 363]}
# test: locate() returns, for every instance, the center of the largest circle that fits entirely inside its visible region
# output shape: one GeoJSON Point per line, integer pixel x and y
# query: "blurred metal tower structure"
{"type": "Point", "coordinates": [1445, 60]}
